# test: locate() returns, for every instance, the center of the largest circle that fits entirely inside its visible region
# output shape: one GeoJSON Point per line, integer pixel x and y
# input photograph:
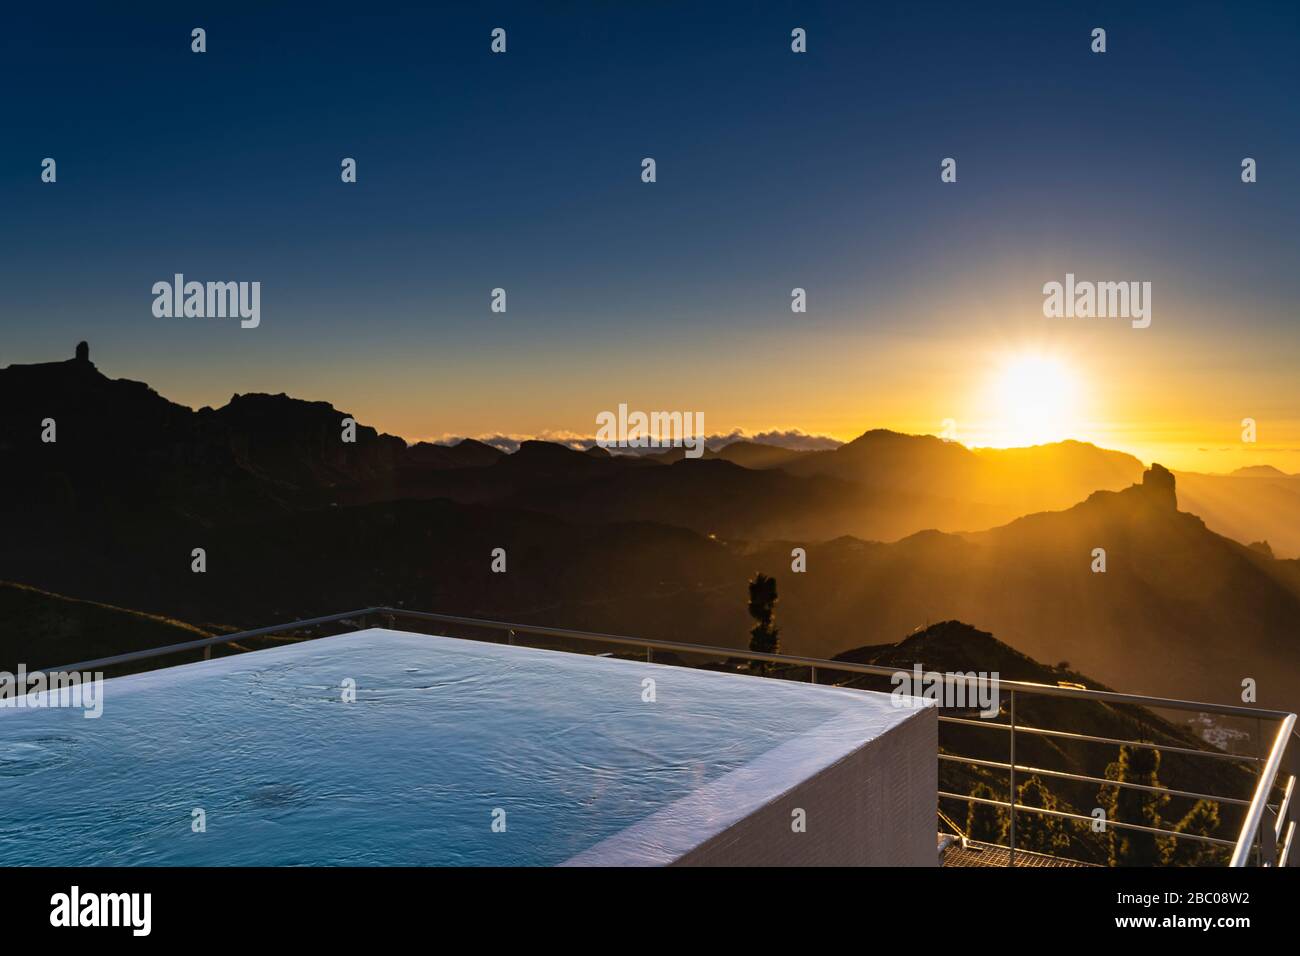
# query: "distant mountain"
{"type": "Point", "coordinates": [296, 522]}
{"type": "Point", "coordinates": [715, 496]}
{"type": "Point", "coordinates": [269, 454]}
{"type": "Point", "coordinates": [752, 454]}
{"type": "Point", "coordinates": [910, 483]}
{"type": "Point", "coordinates": [1179, 610]}
{"type": "Point", "coordinates": [747, 454]}
{"type": "Point", "coordinates": [886, 459]}
{"type": "Point", "coordinates": [1008, 482]}
{"type": "Point", "coordinates": [266, 454]}
{"type": "Point", "coordinates": [883, 486]}
{"type": "Point", "coordinates": [466, 453]}
{"type": "Point", "coordinates": [1259, 471]}
{"type": "Point", "coordinates": [1259, 503]}
{"type": "Point", "coordinates": [299, 444]}
{"type": "Point", "coordinates": [120, 447]}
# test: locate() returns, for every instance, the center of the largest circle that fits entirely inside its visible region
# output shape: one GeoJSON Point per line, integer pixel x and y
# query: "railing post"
{"type": "Point", "coordinates": [207, 653]}
{"type": "Point", "coordinates": [510, 637]}
{"type": "Point", "coordinates": [1252, 826]}
{"type": "Point", "coordinates": [1259, 752]}
{"type": "Point", "coordinates": [1267, 838]}
{"type": "Point", "coordinates": [1291, 767]}
{"type": "Point", "coordinates": [812, 676]}
{"type": "Point", "coordinates": [649, 654]}
{"type": "Point", "coordinates": [1012, 801]}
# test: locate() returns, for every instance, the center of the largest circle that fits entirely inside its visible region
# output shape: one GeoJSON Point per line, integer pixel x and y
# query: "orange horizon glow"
{"type": "Point", "coordinates": [1178, 400]}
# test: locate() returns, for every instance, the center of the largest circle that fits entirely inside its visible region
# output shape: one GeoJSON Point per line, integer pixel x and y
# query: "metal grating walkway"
{"type": "Point", "coordinates": [983, 854]}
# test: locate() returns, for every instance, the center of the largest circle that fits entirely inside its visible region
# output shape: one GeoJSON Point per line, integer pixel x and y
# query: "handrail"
{"type": "Point", "coordinates": [151, 652]}
{"type": "Point", "coordinates": [1085, 778]}
{"type": "Point", "coordinates": [1267, 777]}
{"type": "Point", "coordinates": [1090, 738]}
{"type": "Point", "coordinates": [1251, 825]}
{"type": "Point", "coordinates": [705, 650]}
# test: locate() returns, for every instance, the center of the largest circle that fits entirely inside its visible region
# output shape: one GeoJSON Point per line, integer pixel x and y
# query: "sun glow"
{"type": "Point", "coordinates": [1033, 399]}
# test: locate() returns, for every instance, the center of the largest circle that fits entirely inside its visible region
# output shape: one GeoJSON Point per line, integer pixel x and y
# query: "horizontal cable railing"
{"type": "Point", "coordinates": [1267, 830]}
{"type": "Point", "coordinates": [1103, 781]}
{"type": "Point", "coordinates": [1064, 815]}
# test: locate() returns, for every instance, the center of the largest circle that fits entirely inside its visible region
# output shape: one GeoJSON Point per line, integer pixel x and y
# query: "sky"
{"type": "Point", "coordinates": [775, 170]}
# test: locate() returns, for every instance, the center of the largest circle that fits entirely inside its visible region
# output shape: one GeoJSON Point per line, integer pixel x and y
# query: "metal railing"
{"type": "Point", "coordinates": [1267, 831]}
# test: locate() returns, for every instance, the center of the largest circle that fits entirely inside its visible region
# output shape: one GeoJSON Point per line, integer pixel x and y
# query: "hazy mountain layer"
{"type": "Point", "coordinates": [295, 522]}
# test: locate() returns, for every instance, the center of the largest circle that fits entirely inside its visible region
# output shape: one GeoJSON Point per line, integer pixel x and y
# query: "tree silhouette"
{"type": "Point", "coordinates": [985, 822]}
{"type": "Point", "coordinates": [762, 608]}
{"type": "Point", "coordinates": [1039, 832]}
{"type": "Point", "coordinates": [1203, 820]}
{"type": "Point", "coordinates": [1126, 805]}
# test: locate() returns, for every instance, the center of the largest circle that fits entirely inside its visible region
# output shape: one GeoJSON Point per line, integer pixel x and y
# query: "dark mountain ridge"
{"type": "Point", "coordinates": [296, 522]}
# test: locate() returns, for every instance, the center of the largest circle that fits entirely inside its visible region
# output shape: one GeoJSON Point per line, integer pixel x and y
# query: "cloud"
{"type": "Point", "coordinates": [792, 438]}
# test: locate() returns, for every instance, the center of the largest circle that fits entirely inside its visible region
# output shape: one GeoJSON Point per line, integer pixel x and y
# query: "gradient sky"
{"type": "Point", "coordinates": [775, 170]}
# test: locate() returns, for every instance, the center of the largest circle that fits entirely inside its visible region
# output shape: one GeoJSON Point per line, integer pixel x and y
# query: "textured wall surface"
{"type": "Point", "coordinates": [874, 807]}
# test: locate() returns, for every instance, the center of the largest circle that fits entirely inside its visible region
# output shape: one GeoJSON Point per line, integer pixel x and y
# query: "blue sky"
{"type": "Point", "coordinates": [775, 170]}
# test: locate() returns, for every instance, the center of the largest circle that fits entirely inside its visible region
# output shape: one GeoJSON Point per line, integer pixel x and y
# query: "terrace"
{"type": "Point", "coordinates": [718, 773]}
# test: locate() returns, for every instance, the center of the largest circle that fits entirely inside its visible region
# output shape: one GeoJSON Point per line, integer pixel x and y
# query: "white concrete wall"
{"type": "Point", "coordinates": [874, 807]}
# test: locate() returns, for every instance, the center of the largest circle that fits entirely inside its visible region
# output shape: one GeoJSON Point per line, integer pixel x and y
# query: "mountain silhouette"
{"type": "Point", "coordinates": [1259, 503]}
{"type": "Point", "coordinates": [1178, 610]}
{"type": "Point", "coordinates": [296, 522]}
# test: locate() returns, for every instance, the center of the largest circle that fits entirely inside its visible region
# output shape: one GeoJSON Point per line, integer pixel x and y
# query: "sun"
{"type": "Point", "coordinates": [1033, 399]}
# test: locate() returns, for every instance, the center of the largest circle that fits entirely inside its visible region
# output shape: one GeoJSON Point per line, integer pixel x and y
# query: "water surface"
{"type": "Point", "coordinates": [442, 733]}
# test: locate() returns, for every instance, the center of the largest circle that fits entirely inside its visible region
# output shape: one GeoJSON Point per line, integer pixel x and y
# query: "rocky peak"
{"type": "Point", "coordinates": [1158, 486]}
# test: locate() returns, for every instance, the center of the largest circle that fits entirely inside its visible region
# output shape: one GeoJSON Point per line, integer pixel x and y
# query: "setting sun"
{"type": "Point", "coordinates": [1033, 399]}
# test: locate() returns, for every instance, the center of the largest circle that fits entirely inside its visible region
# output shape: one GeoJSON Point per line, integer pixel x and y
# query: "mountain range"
{"type": "Point", "coordinates": [899, 531]}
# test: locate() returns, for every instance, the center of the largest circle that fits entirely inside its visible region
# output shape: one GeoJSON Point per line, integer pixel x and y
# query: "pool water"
{"type": "Point", "coordinates": [444, 738]}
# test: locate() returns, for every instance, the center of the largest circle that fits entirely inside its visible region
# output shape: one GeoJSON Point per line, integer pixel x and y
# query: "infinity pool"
{"type": "Point", "coordinates": [453, 753]}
